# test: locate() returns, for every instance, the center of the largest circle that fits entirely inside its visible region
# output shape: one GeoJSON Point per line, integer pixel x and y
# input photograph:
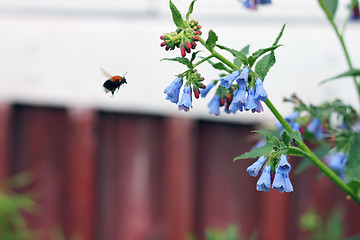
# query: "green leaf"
{"type": "Point", "coordinates": [193, 56]}
{"type": "Point", "coordinates": [182, 60]}
{"type": "Point", "coordinates": [237, 62]}
{"type": "Point", "coordinates": [176, 15]}
{"type": "Point", "coordinates": [295, 151]}
{"type": "Point", "coordinates": [238, 54]}
{"type": "Point", "coordinates": [295, 135]}
{"type": "Point", "coordinates": [270, 138]}
{"type": "Point", "coordinates": [285, 138]}
{"type": "Point", "coordinates": [263, 66]}
{"type": "Point", "coordinates": [352, 167]}
{"type": "Point", "coordinates": [212, 39]}
{"type": "Point", "coordinates": [191, 8]}
{"type": "Point", "coordinates": [245, 50]}
{"type": "Point", "coordinates": [279, 35]}
{"type": "Point", "coordinates": [257, 152]}
{"type": "Point", "coordinates": [355, 185]}
{"type": "Point", "coordinates": [259, 53]}
{"type": "Point", "coordinates": [350, 73]}
{"type": "Point", "coordinates": [330, 6]}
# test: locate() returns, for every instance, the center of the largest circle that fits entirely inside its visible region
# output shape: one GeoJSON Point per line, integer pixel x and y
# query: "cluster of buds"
{"type": "Point", "coordinates": [197, 80]}
{"type": "Point", "coordinates": [195, 27]}
{"type": "Point", "coordinates": [193, 84]}
{"type": "Point", "coordinates": [185, 39]}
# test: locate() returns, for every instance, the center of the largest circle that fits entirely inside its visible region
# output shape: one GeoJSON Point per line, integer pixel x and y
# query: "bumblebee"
{"type": "Point", "coordinates": [113, 83]}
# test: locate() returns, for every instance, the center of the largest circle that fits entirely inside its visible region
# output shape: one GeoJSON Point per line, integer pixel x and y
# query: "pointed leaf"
{"type": "Point", "coordinates": [182, 60]}
{"type": "Point", "coordinates": [238, 54]}
{"type": "Point", "coordinates": [285, 138]}
{"type": "Point", "coordinates": [353, 72]}
{"type": "Point", "coordinates": [270, 138]}
{"type": "Point", "coordinates": [263, 66]}
{"type": "Point", "coordinates": [256, 152]}
{"type": "Point", "coordinates": [352, 167]}
{"type": "Point", "coordinates": [237, 62]}
{"type": "Point", "coordinates": [259, 53]}
{"type": "Point", "coordinates": [295, 151]}
{"type": "Point", "coordinates": [245, 50]}
{"type": "Point", "coordinates": [330, 6]}
{"type": "Point", "coordinates": [212, 39]}
{"type": "Point", "coordinates": [193, 56]}
{"type": "Point", "coordinates": [176, 15]}
{"type": "Point", "coordinates": [295, 135]}
{"type": "Point", "coordinates": [191, 8]}
{"type": "Point", "coordinates": [279, 35]}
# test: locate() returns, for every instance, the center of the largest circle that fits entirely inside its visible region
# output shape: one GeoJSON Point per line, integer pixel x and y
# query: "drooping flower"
{"type": "Point", "coordinates": [284, 166]}
{"type": "Point", "coordinates": [278, 182]}
{"type": "Point", "coordinates": [259, 106]}
{"type": "Point", "coordinates": [185, 101]}
{"type": "Point", "coordinates": [264, 182]}
{"type": "Point", "coordinates": [254, 169]}
{"type": "Point", "coordinates": [173, 90]}
{"type": "Point", "coordinates": [214, 105]}
{"type": "Point", "coordinates": [204, 92]}
{"type": "Point", "coordinates": [244, 74]}
{"type": "Point", "coordinates": [260, 92]}
{"type": "Point", "coordinates": [315, 128]}
{"type": "Point", "coordinates": [282, 181]}
{"type": "Point", "coordinates": [240, 93]}
{"type": "Point", "coordinates": [288, 185]}
{"type": "Point", "coordinates": [234, 106]}
{"type": "Point", "coordinates": [228, 80]}
{"type": "Point", "coordinates": [250, 103]}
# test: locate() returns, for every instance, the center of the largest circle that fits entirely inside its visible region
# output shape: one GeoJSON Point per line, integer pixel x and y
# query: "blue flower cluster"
{"type": "Point", "coordinates": [252, 4]}
{"type": "Point", "coordinates": [173, 91]}
{"type": "Point", "coordinates": [336, 161]}
{"type": "Point", "coordinates": [245, 94]}
{"type": "Point", "coordinates": [355, 14]}
{"type": "Point", "coordinates": [281, 180]}
{"type": "Point", "coordinates": [316, 128]}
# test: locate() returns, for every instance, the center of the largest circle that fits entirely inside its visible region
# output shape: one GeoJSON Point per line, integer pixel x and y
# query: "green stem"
{"type": "Point", "coordinates": [341, 39]}
{"type": "Point", "coordinates": [313, 158]}
{"type": "Point", "coordinates": [202, 60]}
{"type": "Point", "coordinates": [218, 55]}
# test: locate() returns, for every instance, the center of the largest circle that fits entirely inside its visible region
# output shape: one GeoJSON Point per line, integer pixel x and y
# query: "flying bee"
{"type": "Point", "coordinates": [113, 83]}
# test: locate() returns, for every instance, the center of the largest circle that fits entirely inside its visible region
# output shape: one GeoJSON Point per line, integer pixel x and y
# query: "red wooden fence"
{"type": "Point", "coordinates": [103, 175]}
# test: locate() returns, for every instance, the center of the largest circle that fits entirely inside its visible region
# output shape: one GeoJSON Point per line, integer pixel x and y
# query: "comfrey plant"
{"type": "Point", "coordinates": [240, 87]}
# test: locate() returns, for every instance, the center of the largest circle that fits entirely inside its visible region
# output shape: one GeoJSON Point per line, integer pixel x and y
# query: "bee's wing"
{"type": "Point", "coordinates": [108, 75]}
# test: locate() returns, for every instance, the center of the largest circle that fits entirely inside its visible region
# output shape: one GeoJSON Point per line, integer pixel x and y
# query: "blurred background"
{"type": "Point", "coordinates": [132, 166]}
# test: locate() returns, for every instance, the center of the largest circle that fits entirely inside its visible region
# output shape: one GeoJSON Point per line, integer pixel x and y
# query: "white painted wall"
{"type": "Point", "coordinates": [51, 51]}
